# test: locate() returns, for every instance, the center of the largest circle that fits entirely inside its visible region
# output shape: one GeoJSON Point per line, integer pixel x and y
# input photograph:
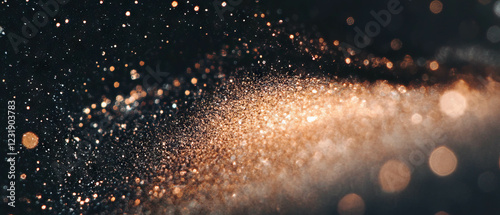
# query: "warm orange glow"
{"type": "Point", "coordinates": [30, 140]}
{"type": "Point", "coordinates": [177, 83]}
{"type": "Point", "coordinates": [434, 65]}
{"type": "Point", "coordinates": [111, 68]}
{"type": "Point", "coordinates": [348, 60]}
{"type": "Point", "coordinates": [350, 20]}
{"type": "Point", "coordinates": [394, 176]}
{"type": "Point", "coordinates": [291, 36]}
{"type": "Point", "coordinates": [443, 161]}
{"type": "Point", "coordinates": [389, 65]}
{"type": "Point", "coordinates": [351, 204]}
{"type": "Point", "coordinates": [174, 4]}
{"type": "Point", "coordinates": [436, 6]}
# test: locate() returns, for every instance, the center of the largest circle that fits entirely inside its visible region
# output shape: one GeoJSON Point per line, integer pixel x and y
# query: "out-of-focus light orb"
{"type": "Point", "coordinates": [434, 65]}
{"type": "Point", "coordinates": [30, 140]}
{"type": "Point", "coordinates": [396, 44]}
{"type": "Point", "coordinates": [436, 6]}
{"type": "Point", "coordinates": [453, 104]}
{"type": "Point", "coordinates": [394, 176]}
{"type": "Point", "coordinates": [351, 204]}
{"type": "Point", "coordinates": [175, 3]}
{"type": "Point", "coordinates": [442, 213]}
{"type": "Point", "coordinates": [443, 161]}
{"type": "Point", "coordinates": [493, 34]}
{"type": "Point", "coordinates": [496, 8]}
{"type": "Point", "coordinates": [416, 118]}
{"type": "Point", "coordinates": [487, 182]}
{"type": "Point", "coordinates": [350, 20]}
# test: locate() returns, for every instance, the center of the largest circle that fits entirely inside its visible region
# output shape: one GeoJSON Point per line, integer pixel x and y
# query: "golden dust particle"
{"type": "Point", "coordinates": [174, 4]}
{"type": "Point", "coordinates": [86, 110]}
{"type": "Point", "coordinates": [366, 62]}
{"type": "Point", "coordinates": [348, 60]}
{"type": "Point", "coordinates": [194, 81]}
{"type": "Point", "coordinates": [23, 176]}
{"type": "Point", "coordinates": [389, 65]}
{"type": "Point", "coordinates": [197, 65]}
{"type": "Point", "coordinates": [93, 106]}
{"type": "Point", "coordinates": [291, 36]}
{"type": "Point", "coordinates": [262, 15]}
{"type": "Point", "coordinates": [351, 204]}
{"type": "Point", "coordinates": [116, 84]}
{"type": "Point", "coordinates": [39, 196]}
{"type": "Point", "coordinates": [141, 63]}
{"type": "Point", "coordinates": [177, 83]}
{"type": "Point", "coordinates": [396, 44]}
{"type": "Point", "coordinates": [137, 202]}
{"type": "Point", "coordinates": [137, 180]}
{"type": "Point", "coordinates": [441, 213]}
{"type": "Point", "coordinates": [177, 191]}
{"type": "Point", "coordinates": [452, 103]}
{"type": "Point", "coordinates": [113, 199]}
{"type": "Point", "coordinates": [268, 24]}
{"type": "Point", "coordinates": [95, 195]}
{"type": "Point", "coordinates": [224, 4]}
{"type": "Point", "coordinates": [30, 140]}
{"type": "Point", "coordinates": [336, 43]}
{"type": "Point", "coordinates": [434, 65]}
{"type": "Point", "coordinates": [350, 20]}
{"type": "Point", "coordinates": [436, 6]}
{"type": "Point", "coordinates": [443, 161]}
{"type": "Point", "coordinates": [416, 118]}
{"type": "Point", "coordinates": [187, 92]}
{"type": "Point", "coordinates": [66, 21]}
{"type": "Point", "coordinates": [394, 176]}
{"type": "Point", "coordinates": [58, 24]}
{"type": "Point", "coordinates": [126, 65]}
{"type": "Point", "coordinates": [127, 13]}
{"type": "Point", "coordinates": [196, 8]}
{"type": "Point", "coordinates": [44, 207]}
{"type": "Point", "coordinates": [111, 68]}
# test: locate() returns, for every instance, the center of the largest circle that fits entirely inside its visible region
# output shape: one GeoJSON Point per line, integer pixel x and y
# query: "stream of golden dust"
{"type": "Point", "coordinates": [282, 145]}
